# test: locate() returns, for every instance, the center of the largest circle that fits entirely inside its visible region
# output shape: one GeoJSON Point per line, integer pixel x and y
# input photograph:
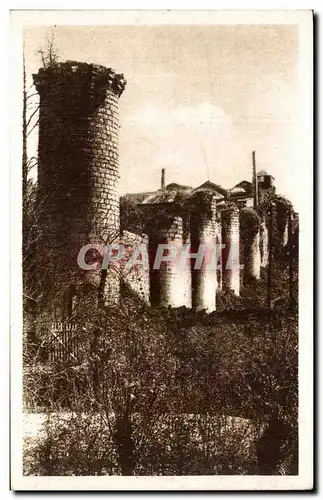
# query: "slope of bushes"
{"type": "Point", "coordinates": [147, 363]}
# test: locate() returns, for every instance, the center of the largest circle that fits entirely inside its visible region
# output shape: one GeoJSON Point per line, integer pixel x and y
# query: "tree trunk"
{"type": "Point", "coordinates": [125, 445]}
{"type": "Point", "coordinates": [270, 446]}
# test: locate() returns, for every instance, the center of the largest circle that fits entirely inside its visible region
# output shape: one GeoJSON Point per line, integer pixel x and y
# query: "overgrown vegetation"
{"type": "Point", "coordinates": [159, 392]}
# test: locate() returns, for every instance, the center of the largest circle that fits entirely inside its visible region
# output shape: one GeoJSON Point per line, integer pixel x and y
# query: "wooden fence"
{"type": "Point", "coordinates": [64, 344]}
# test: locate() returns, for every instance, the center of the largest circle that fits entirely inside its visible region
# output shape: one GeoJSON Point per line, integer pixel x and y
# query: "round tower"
{"type": "Point", "coordinates": [171, 280]}
{"type": "Point", "coordinates": [264, 248]}
{"type": "Point", "coordinates": [250, 235]}
{"type": "Point", "coordinates": [231, 242]}
{"type": "Point", "coordinates": [204, 238]}
{"type": "Point", "coordinates": [78, 172]}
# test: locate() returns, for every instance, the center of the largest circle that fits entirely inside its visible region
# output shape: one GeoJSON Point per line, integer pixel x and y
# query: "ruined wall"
{"type": "Point", "coordinates": [204, 231]}
{"type": "Point", "coordinates": [282, 234]}
{"type": "Point", "coordinates": [78, 173]}
{"type": "Point", "coordinates": [252, 260]}
{"type": "Point", "coordinates": [265, 193]}
{"type": "Point", "coordinates": [250, 223]}
{"type": "Point", "coordinates": [264, 250]}
{"type": "Point", "coordinates": [231, 257]}
{"type": "Point", "coordinates": [136, 276]}
{"type": "Point", "coordinates": [171, 283]}
{"type": "Point", "coordinates": [219, 270]}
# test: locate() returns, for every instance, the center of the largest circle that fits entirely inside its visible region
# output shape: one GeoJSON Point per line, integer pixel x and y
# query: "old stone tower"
{"type": "Point", "coordinates": [78, 177]}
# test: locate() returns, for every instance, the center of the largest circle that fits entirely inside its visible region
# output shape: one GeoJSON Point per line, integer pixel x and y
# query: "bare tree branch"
{"type": "Point", "coordinates": [32, 115]}
{"type": "Point", "coordinates": [34, 126]}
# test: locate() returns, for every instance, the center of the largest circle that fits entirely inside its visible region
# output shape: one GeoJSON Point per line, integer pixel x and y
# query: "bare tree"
{"type": "Point", "coordinates": [32, 203]}
{"type": "Point", "coordinates": [49, 53]}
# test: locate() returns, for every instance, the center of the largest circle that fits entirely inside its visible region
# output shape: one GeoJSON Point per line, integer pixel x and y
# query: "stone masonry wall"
{"type": "Point", "coordinates": [137, 276]}
{"type": "Point", "coordinates": [219, 272]}
{"type": "Point", "coordinates": [264, 250]}
{"type": "Point", "coordinates": [252, 260]}
{"type": "Point", "coordinates": [204, 231]}
{"type": "Point", "coordinates": [283, 236]}
{"type": "Point", "coordinates": [174, 278]}
{"type": "Point", "coordinates": [78, 172]}
{"type": "Point", "coordinates": [231, 257]}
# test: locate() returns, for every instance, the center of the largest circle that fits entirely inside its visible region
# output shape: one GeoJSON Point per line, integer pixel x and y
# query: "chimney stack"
{"type": "Point", "coordinates": [254, 180]}
{"type": "Point", "coordinates": [163, 179]}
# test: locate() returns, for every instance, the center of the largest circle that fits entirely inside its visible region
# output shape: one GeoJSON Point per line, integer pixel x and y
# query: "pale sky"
{"type": "Point", "coordinates": [198, 101]}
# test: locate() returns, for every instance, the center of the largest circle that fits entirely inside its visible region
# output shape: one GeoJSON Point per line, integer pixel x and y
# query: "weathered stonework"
{"type": "Point", "coordinates": [172, 281]}
{"type": "Point", "coordinates": [283, 236]}
{"type": "Point", "coordinates": [264, 250]}
{"type": "Point", "coordinates": [219, 273]}
{"type": "Point", "coordinates": [250, 224]}
{"type": "Point", "coordinates": [204, 231]}
{"type": "Point", "coordinates": [78, 173]}
{"type": "Point", "coordinates": [231, 259]}
{"type": "Point", "coordinates": [136, 276]}
{"type": "Point", "coordinates": [252, 257]}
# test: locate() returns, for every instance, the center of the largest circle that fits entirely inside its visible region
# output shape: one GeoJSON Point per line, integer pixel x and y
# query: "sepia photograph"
{"type": "Point", "coordinates": [164, 165]}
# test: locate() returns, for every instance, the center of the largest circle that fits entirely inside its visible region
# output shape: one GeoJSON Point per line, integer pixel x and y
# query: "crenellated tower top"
{"type": "Point", "coordinates": [98, 77]}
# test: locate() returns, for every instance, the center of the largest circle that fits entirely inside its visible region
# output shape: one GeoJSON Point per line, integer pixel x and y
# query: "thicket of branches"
{"type": "Point", "coordinates": [156, 392]}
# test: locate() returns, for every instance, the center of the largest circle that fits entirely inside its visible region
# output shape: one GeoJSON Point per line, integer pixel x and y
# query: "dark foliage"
{"type": "Point", "coordinates": [158, 377]}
